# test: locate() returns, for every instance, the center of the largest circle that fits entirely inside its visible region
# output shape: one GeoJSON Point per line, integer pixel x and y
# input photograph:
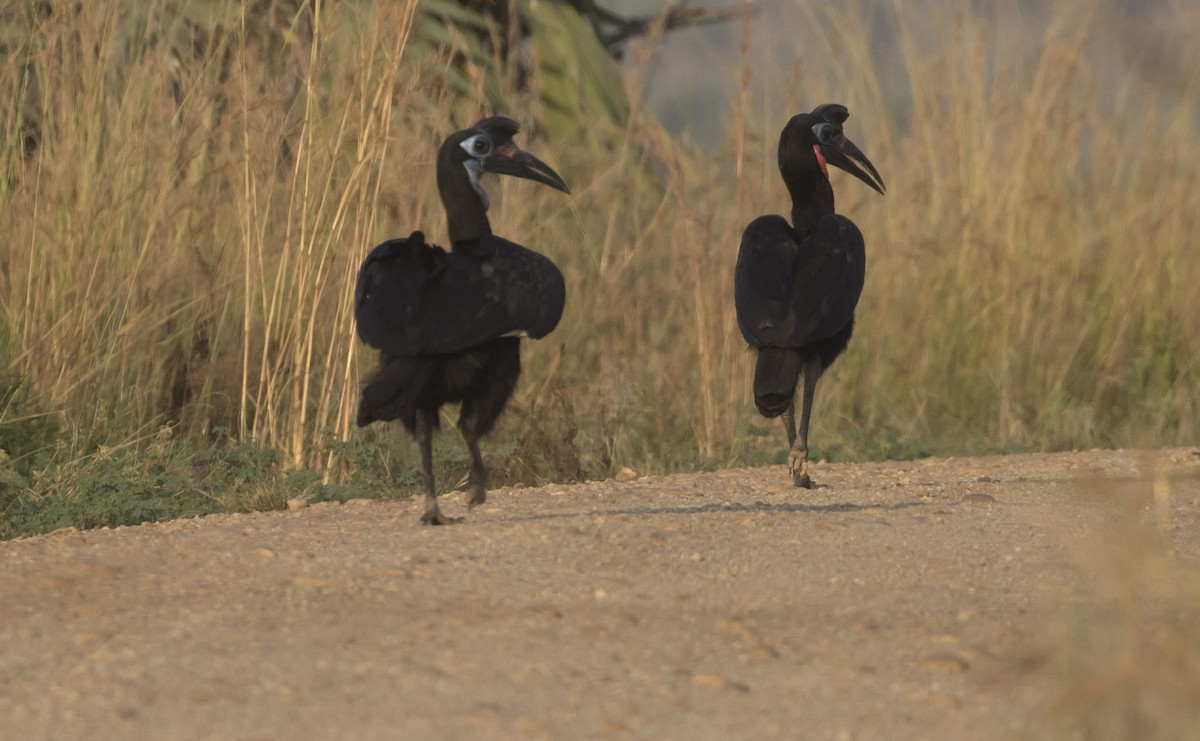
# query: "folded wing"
{"type": "Point", "coordinates": [788, 293]}
{"type": "Point", "coordinates": [416, 299]}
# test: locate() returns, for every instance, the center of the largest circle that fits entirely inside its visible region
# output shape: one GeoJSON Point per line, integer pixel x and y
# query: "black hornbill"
{"type": "Point", "coordinates": [796, 285]}
{"type": "Point", "coordinates": [448, 324]}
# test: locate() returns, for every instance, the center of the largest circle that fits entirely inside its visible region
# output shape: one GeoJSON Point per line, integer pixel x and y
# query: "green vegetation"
{"type": "Point", "coordinates": [186, 198]}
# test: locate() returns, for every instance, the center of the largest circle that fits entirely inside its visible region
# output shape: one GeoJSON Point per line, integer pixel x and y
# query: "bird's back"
{"type": "Point", "coordinates": [792, 294]}
{"type": "Point", "coordinates": [414, 299]}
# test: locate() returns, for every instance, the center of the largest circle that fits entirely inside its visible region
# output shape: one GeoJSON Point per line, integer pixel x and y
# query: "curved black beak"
{"type": "Point", "coordinates": [844, 155]}
{"type": "Point", "coordinates": [509, 160]}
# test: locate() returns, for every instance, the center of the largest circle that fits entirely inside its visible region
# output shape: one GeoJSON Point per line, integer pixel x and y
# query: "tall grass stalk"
{"type": "Point", "coordinates": [184, 223]}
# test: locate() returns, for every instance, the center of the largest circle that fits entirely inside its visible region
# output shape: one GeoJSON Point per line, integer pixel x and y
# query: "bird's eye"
{"type": "Point", "coordinates": [478, 146]}
{"type": "Point", "coordinates": [825, 132]}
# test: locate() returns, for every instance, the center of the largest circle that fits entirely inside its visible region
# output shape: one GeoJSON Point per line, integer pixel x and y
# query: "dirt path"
{"type": "Point", "coordinates": [910, 600]}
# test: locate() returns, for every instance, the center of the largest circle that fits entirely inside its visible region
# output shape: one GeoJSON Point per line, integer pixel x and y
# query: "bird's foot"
{"type": "Point", "coordinates": [478, 497]}
{"type": "Point", "coordinates": [798, 467]}
{"type": "Point", "coordinates": [435, 517]}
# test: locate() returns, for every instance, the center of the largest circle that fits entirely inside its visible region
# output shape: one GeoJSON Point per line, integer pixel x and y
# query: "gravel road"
{"type": "Point", "coordinates": [932, 599]}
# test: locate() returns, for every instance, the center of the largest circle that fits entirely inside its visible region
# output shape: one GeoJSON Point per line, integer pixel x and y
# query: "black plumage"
{"type": "Point", "coordinates": [448, 324]}
{"type": "Point", "coordinates": [797, 284]}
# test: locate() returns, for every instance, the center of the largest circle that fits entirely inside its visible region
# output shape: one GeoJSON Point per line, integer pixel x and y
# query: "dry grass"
{"type": "Point", "coordinates": [1127, 648]}
{"type": "Point", "coordinates": [183, 239]}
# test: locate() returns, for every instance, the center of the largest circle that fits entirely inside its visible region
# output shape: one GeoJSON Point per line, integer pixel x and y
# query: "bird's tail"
{"type": "Point", "coordinates": [391, 392]}
{"type": "Point", "coordinates": [775, 375]}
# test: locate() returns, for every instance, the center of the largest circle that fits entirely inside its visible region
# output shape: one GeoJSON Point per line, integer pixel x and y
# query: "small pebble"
{"type": "Point", "coordinates": [946, 662]}
{"type": "Point", "coordinates": [716, 680]}
{"type": "Point", "coordinates": [979, 499]}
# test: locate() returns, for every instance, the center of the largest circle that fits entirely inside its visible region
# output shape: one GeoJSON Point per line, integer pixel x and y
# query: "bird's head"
{"type": "Point", "coordinates": [488, 147]}
{"type": "Point", "coordinates": [818, 137]}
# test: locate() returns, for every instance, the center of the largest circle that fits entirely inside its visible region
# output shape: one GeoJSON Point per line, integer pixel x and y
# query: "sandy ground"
{"type": "Point", "coordinates": [911, 600]}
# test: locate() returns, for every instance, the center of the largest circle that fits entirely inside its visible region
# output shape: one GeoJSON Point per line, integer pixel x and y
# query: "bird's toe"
{"type": "Point", "coordinates": [798, 468]}
{"type": "Point", "coordinates": [435, 517]}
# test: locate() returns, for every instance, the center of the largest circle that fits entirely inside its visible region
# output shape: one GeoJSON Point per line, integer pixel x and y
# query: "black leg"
{"type": "Point", "coordinates": [789, 428]}
{"type": "Point", "coordinates": [424, 434]}
{"type": "Point", "coordinates": [480, 411]}
{"type": "Point", "coordinates": [798, 458]}
{"type": "Point", "coordinates": [478, 476]}
{"type": "Point", "coordinates": [789, 423]}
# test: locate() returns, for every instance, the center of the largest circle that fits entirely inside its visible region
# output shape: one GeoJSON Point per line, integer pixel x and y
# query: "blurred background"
{"type": "Point", "coordinates": [693, 77]}
{"type": "Point", "coordinates": [187, 189]}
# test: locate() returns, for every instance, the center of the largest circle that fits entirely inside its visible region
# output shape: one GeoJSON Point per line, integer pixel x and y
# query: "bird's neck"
{"type": "Point", "coordinates": [465, 213]}
{"type": "Point", "coordinates": [467, 224]}
{"type": "Point", "coordinates": [812, 198]}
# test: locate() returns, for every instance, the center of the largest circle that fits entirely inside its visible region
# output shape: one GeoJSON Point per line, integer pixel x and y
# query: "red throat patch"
{"type": "Point", "coordinates": [821, 160]}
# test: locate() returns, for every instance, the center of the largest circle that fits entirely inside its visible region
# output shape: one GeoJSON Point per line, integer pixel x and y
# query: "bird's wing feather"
{"type": "Point", "coordinates": [388, 293]}
{"type": "Point", "coordinates": [762, 281]}
{"type": "Point", "coordinates": [789, 294]}
{"type": "Point", "coordinates": [423, 301]}
{"type": "Point", "coordinates": [829, 278]}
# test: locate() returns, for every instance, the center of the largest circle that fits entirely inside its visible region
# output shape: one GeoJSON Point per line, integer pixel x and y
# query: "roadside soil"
{"type": "Point", "coordinates": [931, 599]}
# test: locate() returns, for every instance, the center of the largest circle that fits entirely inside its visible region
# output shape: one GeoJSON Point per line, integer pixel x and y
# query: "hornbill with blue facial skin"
{"type": "Point", "coordinates": [796, 284]}
{"type": "Point", "coordinates": [448, 324]}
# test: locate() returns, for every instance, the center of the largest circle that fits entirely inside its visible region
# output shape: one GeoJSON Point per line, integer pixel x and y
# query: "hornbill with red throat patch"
{"type": "Point", "coordinates": [448, 324]}
{"type": "Point", "coordinates": [797, 284]}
